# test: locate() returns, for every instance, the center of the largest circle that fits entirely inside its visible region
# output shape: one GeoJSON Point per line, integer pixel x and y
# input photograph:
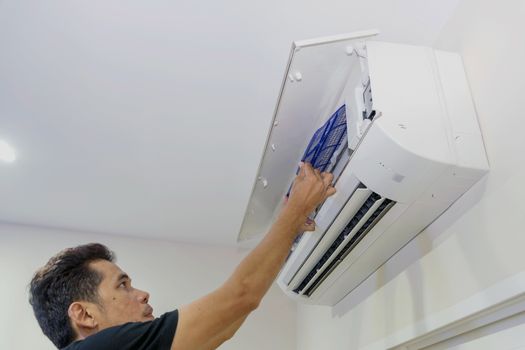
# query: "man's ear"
{"type": "Point", "coordinates": [80, 316]}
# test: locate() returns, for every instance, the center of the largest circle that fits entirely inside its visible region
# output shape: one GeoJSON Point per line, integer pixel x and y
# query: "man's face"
{"type": "Point", "coordinates": [121, 302]}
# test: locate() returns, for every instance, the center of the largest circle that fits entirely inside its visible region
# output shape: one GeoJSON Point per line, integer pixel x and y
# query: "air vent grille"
{"type": "Point", "coordinates": [342, 245]}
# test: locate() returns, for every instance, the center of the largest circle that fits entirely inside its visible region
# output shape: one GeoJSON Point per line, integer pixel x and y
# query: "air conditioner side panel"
{"type": "Point", "coordinates": [466, 132]}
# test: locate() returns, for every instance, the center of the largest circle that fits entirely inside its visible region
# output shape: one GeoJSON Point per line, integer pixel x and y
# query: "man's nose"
{"type": "Point", "coordinates": [143, 296]}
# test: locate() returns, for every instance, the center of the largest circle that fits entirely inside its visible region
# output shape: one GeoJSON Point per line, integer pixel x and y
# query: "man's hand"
{"type": "Point", "coordinates": [310, 188]}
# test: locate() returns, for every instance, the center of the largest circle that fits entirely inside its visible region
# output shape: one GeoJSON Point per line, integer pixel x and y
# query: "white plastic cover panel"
{"type": "Point", "coordinates": [317, 73]}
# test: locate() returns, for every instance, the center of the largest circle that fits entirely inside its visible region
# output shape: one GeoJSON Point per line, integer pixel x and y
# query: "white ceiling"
{"type": "Point", "coordinates": [148, 118]}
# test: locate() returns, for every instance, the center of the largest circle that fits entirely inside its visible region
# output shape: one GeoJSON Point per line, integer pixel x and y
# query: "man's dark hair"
{"type": "Point", "coordinates": [65, 278]}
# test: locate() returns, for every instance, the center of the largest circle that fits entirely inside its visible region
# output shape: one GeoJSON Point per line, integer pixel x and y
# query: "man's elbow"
{"type": "Point", "coordinates": [222, 338]}
{"type": "Point", "coordinates": [252, 303]}
{"type": "Point", "coordinates": [246, 297]}
{"type": "Point", "coordinates": [249, 300]}
{"type": "Point", "coordinates": [228, 334]}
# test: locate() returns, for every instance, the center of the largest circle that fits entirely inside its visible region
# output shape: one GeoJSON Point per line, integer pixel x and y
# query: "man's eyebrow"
{"type": "Point", "coordinates": [123, 276]}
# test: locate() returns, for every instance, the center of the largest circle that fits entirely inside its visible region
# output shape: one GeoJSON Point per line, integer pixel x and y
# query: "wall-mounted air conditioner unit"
{"type": "Point", "coordinates": [397, 127]}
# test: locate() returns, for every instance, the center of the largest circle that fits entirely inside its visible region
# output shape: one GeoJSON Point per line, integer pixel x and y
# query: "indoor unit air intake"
{"type": "Point", "coordinates": [396, 126]}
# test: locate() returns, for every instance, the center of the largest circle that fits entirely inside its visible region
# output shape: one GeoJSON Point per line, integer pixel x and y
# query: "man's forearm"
{"type": "Point", "coordinates": [258, 270]}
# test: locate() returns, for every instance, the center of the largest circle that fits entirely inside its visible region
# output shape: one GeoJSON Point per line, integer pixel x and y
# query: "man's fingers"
{"type": "Point", "coordinates": [307, 168]}
{"type": "Point", "coordinates": [330, 191]}
{"type": "Point", "coordinates": [317, 174]}
{"type": "Point", "coordinates": [309, 225]}
{"type": "Point", "coordinates": [313, 191]}
{"type": "Point", "coordinates": [327, 178]}
{"type": "Point", "coordinates": [301, 173]}
{"type": "Point", "coordinates": [310, 170]}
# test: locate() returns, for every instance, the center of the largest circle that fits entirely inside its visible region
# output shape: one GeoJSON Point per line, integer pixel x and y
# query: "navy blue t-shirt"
{"type": "Point", "coordinates": [153, 335]}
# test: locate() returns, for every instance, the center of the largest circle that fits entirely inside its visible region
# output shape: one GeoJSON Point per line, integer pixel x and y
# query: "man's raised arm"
{"type": "Point", "coordinates": [213, 319]}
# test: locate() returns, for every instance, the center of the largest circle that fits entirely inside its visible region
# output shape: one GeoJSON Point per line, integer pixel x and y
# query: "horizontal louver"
{"type": "Point", "coordinates": [357, 227]}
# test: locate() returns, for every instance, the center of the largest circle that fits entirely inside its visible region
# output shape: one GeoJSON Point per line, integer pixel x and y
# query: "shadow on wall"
{"type": "Point", "coordinates": [431, 237]}
{"type": "Point", "coordinates": [500, 214]}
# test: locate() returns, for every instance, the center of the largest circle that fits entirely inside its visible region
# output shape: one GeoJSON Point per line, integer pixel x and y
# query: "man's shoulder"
{"type": "Point", "coordinates": [156, 334]}
{"type": "Point", "coordinates": [104, 339]}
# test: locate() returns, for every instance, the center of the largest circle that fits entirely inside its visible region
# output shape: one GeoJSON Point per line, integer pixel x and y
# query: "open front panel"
{"type": "Point", "coordinates": [321, 80]}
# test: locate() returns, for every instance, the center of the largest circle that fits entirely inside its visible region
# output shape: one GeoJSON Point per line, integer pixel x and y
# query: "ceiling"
{"type": "Point", "coordinates": [148, 118]}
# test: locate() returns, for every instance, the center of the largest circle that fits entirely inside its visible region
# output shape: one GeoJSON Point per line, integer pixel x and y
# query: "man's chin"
{"type": "Point", "coordinates": [149, 317]}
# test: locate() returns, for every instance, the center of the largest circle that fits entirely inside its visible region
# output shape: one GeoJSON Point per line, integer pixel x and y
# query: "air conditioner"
{"type": "Point", "coordinates": [397, 127]}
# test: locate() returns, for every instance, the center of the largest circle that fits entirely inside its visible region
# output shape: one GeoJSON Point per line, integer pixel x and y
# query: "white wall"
{"type": "Point", "coordinates": [174, 274]}
{"type": "Point", "coordinates": [479, 241]}
{"type": "Point", "coordinates": [508, 334]}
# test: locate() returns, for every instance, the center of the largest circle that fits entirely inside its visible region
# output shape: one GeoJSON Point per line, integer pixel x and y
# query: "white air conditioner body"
{"type": "Point", "coordinates": [412, 147]}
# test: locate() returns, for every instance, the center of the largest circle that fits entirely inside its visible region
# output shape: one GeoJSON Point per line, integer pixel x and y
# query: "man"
{"type": "Point", "coordinates": [82, 300]}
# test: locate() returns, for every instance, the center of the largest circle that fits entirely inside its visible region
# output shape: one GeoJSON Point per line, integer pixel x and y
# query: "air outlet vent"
{"type": "Point", "coordinates": [366, 217]}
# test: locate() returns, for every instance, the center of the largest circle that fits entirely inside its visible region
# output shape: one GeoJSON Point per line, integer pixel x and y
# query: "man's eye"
{"type": "Point", "coordinates": [122, 285]}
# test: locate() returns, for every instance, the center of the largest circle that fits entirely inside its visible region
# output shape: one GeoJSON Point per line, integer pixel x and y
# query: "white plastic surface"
{"type": "Point", "coordinates": [422, 151]}
{"type": "Point", "coordinates": [303, 106]}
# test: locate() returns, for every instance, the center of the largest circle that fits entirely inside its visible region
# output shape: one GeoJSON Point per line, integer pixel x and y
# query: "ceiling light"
{"type": "Point", "coordinates": [7, 153]}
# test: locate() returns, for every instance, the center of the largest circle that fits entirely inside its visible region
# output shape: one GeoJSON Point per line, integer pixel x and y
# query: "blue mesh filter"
{"type": "Point", "coordinates": [326, 140]}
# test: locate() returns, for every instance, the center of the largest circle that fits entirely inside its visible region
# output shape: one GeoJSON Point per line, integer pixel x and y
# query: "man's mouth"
{"type": "Point", "coordinates": [148, 312]}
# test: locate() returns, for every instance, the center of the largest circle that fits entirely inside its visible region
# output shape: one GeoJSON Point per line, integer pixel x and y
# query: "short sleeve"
{"type": "Point", "coordinates": [153, 335]}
